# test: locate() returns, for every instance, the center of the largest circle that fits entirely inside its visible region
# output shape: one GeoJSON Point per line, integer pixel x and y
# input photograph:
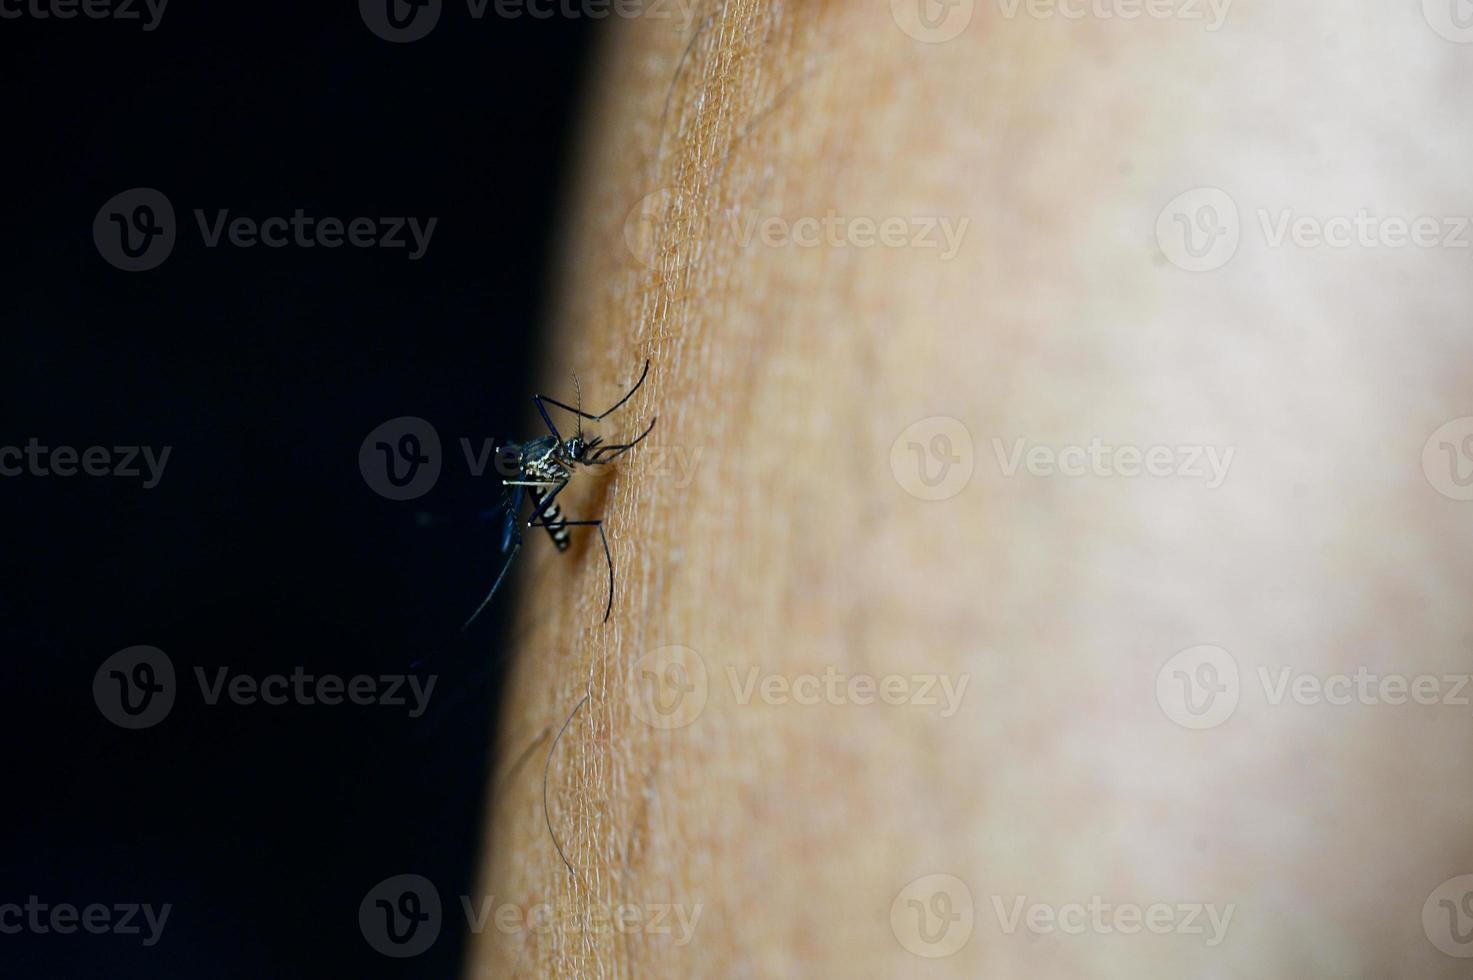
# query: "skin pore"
{"type": "Point", "coordinates": [818, 687]}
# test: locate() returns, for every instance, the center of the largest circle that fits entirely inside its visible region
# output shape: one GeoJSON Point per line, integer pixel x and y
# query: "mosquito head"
{"type": "Point", "coordinates": [577, 448]}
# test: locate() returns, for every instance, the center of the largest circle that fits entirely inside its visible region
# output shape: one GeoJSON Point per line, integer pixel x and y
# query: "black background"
{"type": "Point", "coordinates": [262, 549]}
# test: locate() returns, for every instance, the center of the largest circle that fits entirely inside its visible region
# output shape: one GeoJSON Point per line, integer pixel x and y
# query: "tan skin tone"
{"type": "Point", "coordinates": [793, 547]}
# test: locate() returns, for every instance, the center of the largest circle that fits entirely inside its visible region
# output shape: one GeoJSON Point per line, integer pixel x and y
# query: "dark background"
{"type": "Point", "coordinates": [262, 549]}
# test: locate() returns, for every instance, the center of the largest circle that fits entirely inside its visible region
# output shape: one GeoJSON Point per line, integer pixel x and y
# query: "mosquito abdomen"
{"type": "Point", "coordinates": [554, 521]}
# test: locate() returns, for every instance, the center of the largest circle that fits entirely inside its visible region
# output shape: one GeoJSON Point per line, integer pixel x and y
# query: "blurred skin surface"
{"type": "Point", "coordinates": [1093, 689]}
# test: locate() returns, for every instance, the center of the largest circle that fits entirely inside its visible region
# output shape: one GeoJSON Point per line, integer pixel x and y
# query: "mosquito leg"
{"type": "Point", "coordinates": [608, 555]}
{"type": "Point", "coordinates": [539, 399]}
{"type": "Point", "coordinates": [543, 412]}
{"type": "Point", "coordinates": [511, 555]}
{"type": "Point", "coordinates": [620, 449]}
{"type": "Point", "coordinates": [546, 503]}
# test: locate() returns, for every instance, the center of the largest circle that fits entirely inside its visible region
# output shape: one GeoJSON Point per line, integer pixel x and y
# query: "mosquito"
{"type": "Point", "coordinates": [544, 467]}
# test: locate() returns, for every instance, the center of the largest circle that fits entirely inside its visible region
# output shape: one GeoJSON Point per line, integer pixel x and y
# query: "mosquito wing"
{"type": "Point", "coordinates": [511, 507]}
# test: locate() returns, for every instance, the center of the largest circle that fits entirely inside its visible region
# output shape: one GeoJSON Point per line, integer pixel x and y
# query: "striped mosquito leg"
{"type": "Point", "coordinates": [552, 519]}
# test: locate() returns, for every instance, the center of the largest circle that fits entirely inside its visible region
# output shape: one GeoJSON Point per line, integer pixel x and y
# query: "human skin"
{"type": "Point", "coordinates": [783, 833]}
